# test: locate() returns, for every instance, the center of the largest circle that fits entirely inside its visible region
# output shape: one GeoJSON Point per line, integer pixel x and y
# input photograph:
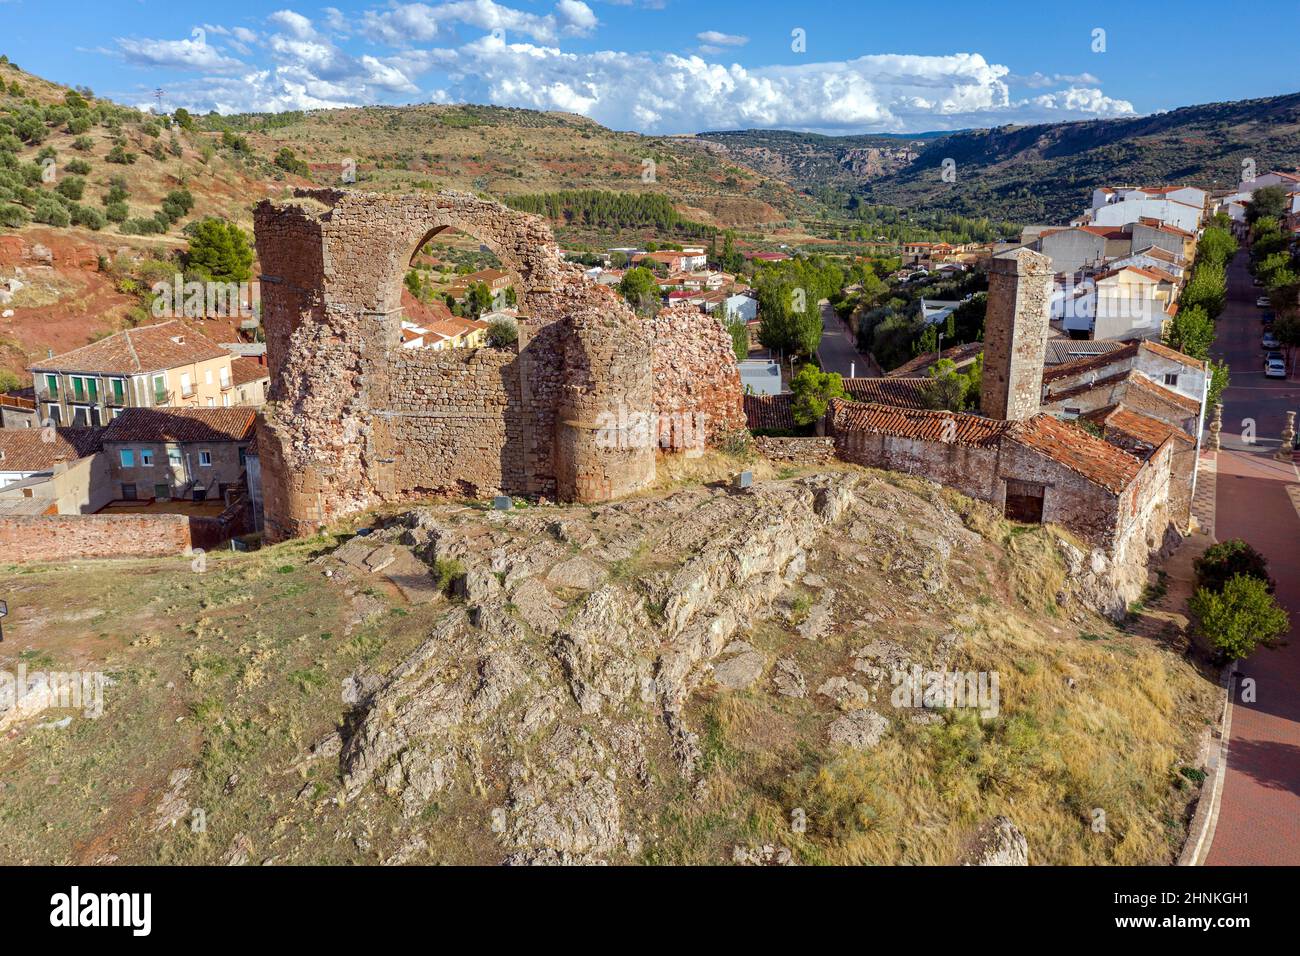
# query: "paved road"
{"type": "Point", "coordinates": [1259, 818]}
{"type": "Point", "coordinates": [838, 352]}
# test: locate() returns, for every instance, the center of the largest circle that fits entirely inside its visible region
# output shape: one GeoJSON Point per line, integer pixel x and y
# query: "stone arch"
{"type": "Point", "coordinates": [357, 420]}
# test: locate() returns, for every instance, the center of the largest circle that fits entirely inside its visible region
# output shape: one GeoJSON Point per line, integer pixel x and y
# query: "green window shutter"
{"type": "Point", "coordinates": [94, 388]}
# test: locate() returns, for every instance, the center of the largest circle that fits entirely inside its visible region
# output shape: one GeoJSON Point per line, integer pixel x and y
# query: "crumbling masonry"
{"type": "Point", "coordinates": [355, 420]}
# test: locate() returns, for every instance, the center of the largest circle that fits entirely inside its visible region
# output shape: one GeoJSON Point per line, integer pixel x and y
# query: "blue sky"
{"type": "Point", "coordinates": [666, 66]}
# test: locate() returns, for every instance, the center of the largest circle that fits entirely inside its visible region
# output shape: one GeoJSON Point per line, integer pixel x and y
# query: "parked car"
{"type": "Point", "coordinates": [1258, 283]}
{"type": "Point", "coordinates": [1274, 367]}
{"type": "Point", "coordinates": [1262, 302]}
{"type": "Point", "coordinates": [1266, 318]}
{"type": "Point", "coordinates": [1269, 341]}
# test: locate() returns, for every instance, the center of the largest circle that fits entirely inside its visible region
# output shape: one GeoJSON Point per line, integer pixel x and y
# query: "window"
{"type": "Point", "coordinates": [81, 416]}
{"type": "Point", "coordinates": [212, 402]}
{"type": "Point", "coordinates": [160, 389]}
{"type": "Point", "coordinates": [225, 378]}
{"type": "Point", "coordinates": [52, 385]}
{"type": "Point", "coordinates": [54, 413]}
{"type": "Point", "coordinates": [1171, 379]}
{"type": "Point", "coordinates": [205, 459]}
{"type": "Point", "coordinates": [162, 491]}
{"type": "Point", "coordinates": [128, 492]}
{"type": "Point", "coordinates": [92, 389]}
{"type": "Point", "coordinates": [78, 388]}
{"type": "Point", "coordinates": [146, 457]}
{"type": "Point", "coordinates": [174, 457]}
{"type": "Point", "coordinates": [187, 387]}
{"type": "Point", "coordinates": [1069, 413]}
{"type": "Point", "coordinates": [207, 376]}
{"type": "Point", "coordinates": [127, 457]}
{"type": "Point", "coordinates": [243, 456]}
{"type": "Point", "coordinates": [225, 401]}
{"type": "Point", "coordinates": [117, 388]}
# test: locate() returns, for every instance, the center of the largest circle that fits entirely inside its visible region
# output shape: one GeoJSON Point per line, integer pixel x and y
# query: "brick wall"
{"type": "Point", "coordinates": [65, 537]}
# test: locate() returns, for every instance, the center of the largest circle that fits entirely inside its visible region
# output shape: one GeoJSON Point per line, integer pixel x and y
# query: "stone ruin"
{"type": "Point", "coordinates": [355, 420]}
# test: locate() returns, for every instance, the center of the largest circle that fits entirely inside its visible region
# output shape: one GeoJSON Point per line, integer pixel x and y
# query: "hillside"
{"type": "Point", "coordinates": [812, 160]}
{"type": "Point", "coordinates": [1042, 173]}
{"type": "Point", "coordinates": [685, 676]}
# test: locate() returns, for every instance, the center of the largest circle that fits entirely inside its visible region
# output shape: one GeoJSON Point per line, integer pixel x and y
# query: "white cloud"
{"type": "Point", "coordinates": [652, 93]}
{"type": "Point", "coordinates": [714, 38]}
{"type": "Point", "coordinates": [192, 54]}
{"type": "Point", "coordinates": [400, 24]}
{"type": "Point", "coordinates": [294, 23]}
{"type": "Point", "coordinates": [672, 93]}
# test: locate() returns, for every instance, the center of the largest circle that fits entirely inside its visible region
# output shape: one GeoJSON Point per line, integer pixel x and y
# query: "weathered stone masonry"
{"type": "Point", "coordinates": [356, 420]}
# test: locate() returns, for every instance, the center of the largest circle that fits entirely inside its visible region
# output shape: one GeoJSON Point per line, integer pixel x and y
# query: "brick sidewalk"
{"type": "Point", "coordinates": [1259, 819]}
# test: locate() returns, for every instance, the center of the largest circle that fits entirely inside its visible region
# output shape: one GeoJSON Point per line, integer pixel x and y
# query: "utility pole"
{"type": "Point", "coordinates": [158, 95]}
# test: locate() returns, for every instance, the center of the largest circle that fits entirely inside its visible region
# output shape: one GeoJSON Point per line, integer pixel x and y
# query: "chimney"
{"type": "Point", "coordinates": [1016, 326]}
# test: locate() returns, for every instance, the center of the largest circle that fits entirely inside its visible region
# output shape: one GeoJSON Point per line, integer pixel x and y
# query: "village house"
{"type": "Point", "coordinates": [190, 454]}
{"type": "Point", "coordinates": [497, 281]}
{"type": "Point", "coordinates": [163, 365]}
{"type": "Point", "coordinates": [54, 472]}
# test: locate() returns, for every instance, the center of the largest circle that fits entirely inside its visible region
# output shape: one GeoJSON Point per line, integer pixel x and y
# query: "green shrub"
{"type": "Point", "coordinates": [13, 216]}
{"type": "Point", "coordinates": [1227, 559]}
{"type": "Point", "coordinates": [87, 216]}
{"type": "Point", "coordinates": [49, 210]}
{"type": "Point", "coordinates": [73, 187]}
{"type": "Point", "coordinates": [446, 573]}
{"type": "Point", "coordinates": [116, 211]}
{"type": "Point", "coordinates": [118, 154]}
{"type": "Point", "coordinates": [503, 331]}
{"type": "Point", "coordinates": [83, 143]}
{"type": "Point", "coordinates": [77, 167]}
{"type": "Point", "coordinates": [1240, 618]}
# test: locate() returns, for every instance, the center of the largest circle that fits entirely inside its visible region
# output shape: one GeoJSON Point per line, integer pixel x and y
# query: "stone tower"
{"type": "Point", "coordinates": [1015, 334]}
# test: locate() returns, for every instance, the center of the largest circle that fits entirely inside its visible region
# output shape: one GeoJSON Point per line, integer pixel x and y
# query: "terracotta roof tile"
{"type": "Point", "coordinates": [25, 449]}
{"type": "Point", "coordinates": [245, 370]}
{"type": "Point", "coordinates": [904, 392]}
{"type": "Point", "coordinates": [149, 348]}
{"type": "Point", "coordinates": [1165, 351]}
{"type": "Point", "coordinates": [769, 411]}
{"type": "Point", "coordinates": [958, 353]}
{"type": "Point", "coordinates": [1150, 430]}
{"type": "Point", "coordinates": [955, 428]}
{"type": "Point", "coordinates": [1090, 362]}
{"type": "Point", "coordinates": [236, 423]}
{"type": "Point", "coordinates": [1177, 399]}
{"type": "Point", "coordinates": [1074, 448]}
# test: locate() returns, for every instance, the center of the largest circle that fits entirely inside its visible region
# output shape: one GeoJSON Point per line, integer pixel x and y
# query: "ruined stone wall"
{"type": "Point", "coordinates": [971, 470]}
{"type": "Point", "coordinates": [1145, 525]}
{"type": "Point", "coordinates": [356, 420]}
{"type": "Point", "coordinates": [453, 424]}
{"type": "Point", "coordinates": [796, 451]}
{"type": "Point", "coordinates": [697, 391]}
{"type": "Point", "coordinates": [1015, 334]}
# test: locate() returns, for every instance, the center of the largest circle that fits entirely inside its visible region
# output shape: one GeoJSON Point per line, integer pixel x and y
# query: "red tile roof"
{"type": "Point", "coordinates": [1174, 355]}
{"type": "Point", "coordinates": [236, 423]}
{"type": "Point", "coordinates": [769, 411]}
{"type": "Point", "coordinates": [1177, 399]}
{"type": "Point", "coordinates": [149, 348]}
{"type": "Point", "coordinates": [903, 392]}
{"type": "Point", "coordinates": [954, 428]}
{"type": "Point", "coordinates": [25, 449]}
{"type": "Point", "coordinates": [1089, 363]}
{"type": "Point", "coordinates": [245, 370]}
{"type": "Point", "coordinates": [1144, 428]}
{"type": "Point", "coordinates": [1074, 448]}
{"type": "Point", "coordinates": [960, 354]}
